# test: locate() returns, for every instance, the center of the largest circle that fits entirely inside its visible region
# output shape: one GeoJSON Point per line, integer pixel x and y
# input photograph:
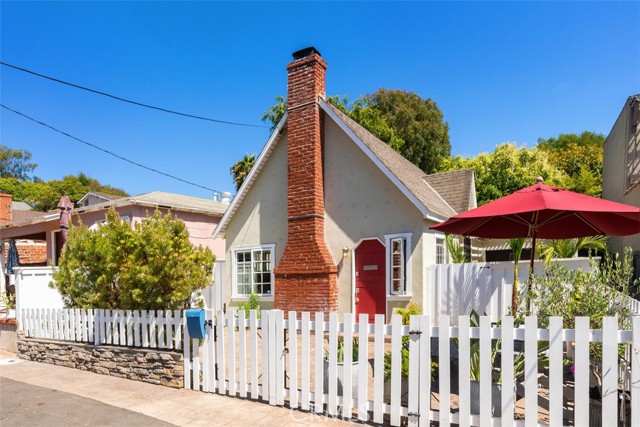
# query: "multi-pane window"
{"type": "Point", "coordinates": [440, 254]}
{"type": "Point", "coordinates": [253, 271]}
{"type": "Point", "coordinates": [398, 265]}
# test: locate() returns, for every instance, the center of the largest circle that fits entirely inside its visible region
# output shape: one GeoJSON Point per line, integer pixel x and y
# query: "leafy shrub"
{"type": "Point", "coordinates": [251, 304]}
{"type": "Point", "coordinates": [151, 266]}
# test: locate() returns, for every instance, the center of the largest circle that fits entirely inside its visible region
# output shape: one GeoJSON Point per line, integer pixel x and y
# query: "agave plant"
{"type": "Point", "coordinates": [568, 248]}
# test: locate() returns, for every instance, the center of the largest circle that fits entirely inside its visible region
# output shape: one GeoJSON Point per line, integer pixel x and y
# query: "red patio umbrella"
{"type": "Point", "coordinates": [543, 211]}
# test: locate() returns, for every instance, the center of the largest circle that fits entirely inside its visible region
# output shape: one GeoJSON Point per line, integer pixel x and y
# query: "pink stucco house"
{"type": "Point", "coordinates": [201, 217]}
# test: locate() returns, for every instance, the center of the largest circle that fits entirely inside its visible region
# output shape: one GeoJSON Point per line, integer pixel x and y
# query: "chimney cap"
{"type": "Point", "coordinates": [307, 51]}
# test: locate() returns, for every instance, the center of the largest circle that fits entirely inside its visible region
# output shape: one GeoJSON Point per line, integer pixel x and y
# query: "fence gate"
{"type": "Point", "coordinates": [307, 360]}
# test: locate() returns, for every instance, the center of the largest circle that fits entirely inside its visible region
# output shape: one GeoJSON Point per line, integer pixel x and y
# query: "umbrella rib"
{"type": "Point", "coordinates": [597, 230]}
{"type": "Point", "coordinates": [564, 214]}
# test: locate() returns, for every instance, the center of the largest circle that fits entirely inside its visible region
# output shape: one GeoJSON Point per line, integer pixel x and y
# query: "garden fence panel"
{"type": "Point", "coordinates": [457, 289]}
{"type": "Point", "coordinates": [101, 327]}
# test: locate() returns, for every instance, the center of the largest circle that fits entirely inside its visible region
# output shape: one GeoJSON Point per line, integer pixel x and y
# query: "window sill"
{"type": "Point", "coordinates": [398, 297]}
{"type": "Point", "coordinates": [241, 298]}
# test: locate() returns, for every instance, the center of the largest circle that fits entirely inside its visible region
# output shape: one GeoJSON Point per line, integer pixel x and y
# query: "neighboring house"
{"type": "Point", "coordinates": [32, 252]}
{"type": "Point", "coordinates": [330, 218]}
{"type": "Point", "coordinates": [93, 198]}
{"type": "Point", "coordinates": [201, 216]}
{"type": "Point", "coordinates": [621, 170]}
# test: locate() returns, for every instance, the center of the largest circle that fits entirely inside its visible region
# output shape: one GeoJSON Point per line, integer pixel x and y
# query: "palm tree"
{"type": "Point", "coordinates": [516, 246]}
{"type": "Point", "coordinates": [568, 248]}
{"type": "Point", "coordinates": [240, 170]}
{"type": "Point", "coordinates": [455, 249]}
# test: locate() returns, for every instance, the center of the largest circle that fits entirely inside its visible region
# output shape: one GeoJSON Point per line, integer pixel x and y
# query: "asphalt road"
{"type": "Point", "coordinates": [26, 405]}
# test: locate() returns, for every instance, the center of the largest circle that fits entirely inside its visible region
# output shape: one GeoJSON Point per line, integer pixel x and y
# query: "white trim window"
{"type": "Point", "coordinates": [253, 270]}
{"type": "Point", "coordinates": [398, 264]}
{"type": "Point", "coordinates": [440, 251]}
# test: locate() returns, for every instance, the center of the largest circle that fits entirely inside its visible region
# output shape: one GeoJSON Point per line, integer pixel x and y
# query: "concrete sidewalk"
{"type": "Point", "coordinates": [175, 406]}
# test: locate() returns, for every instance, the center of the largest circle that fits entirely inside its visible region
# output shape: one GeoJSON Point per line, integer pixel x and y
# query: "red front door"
{"type": "Point", "coordinates": [370, 278]}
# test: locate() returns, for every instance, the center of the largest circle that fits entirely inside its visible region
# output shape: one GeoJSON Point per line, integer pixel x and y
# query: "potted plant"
{"type": "Point", "coordinates": [496, 373]}
{"type": "Point", "coordinates": [9, 301]}
{"type": "Point", "coordinates": [340, 366]}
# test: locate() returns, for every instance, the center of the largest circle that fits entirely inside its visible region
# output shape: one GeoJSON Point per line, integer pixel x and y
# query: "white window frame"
{"type": "Point", "coordinates": [234, 269]}
{"type": "Point", "coordinates": [388, 238]}
{"type": "Point", "coordinates": [445, 258]}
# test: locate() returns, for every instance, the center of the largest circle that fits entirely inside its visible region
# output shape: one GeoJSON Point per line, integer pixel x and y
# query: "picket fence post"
{"type": "Point", "coordinates": [96, 327]}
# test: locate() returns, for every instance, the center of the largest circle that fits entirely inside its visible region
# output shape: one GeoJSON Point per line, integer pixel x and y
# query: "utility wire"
{"type": "Point", "coordinates": [107, 151]}
{"type": "Point", "coordinates": [128, 100]}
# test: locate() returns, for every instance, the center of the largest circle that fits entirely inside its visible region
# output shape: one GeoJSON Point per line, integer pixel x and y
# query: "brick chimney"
{"type": "Point", "coordinates": [5, 207]}
{"type": "Point", "coordinates": [306, 273]}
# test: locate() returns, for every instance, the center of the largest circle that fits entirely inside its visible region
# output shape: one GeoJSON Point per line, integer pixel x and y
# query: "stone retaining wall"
{"type": "Point", "coordinates": [151, 366]}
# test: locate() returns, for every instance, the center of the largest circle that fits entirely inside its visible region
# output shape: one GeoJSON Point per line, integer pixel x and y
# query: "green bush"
{"type": "Point", "coordinates": [151, 266]}
{"type": "Point", "coordinates": [251, 304]}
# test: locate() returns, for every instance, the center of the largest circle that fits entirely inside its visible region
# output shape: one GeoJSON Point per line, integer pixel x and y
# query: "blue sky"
{"type": "Point", "coordinates": [498, 71]}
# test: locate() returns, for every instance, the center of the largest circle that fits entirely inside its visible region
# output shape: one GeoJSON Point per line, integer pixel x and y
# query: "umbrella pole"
{"type": "Point", "coordinates": [530, 280]}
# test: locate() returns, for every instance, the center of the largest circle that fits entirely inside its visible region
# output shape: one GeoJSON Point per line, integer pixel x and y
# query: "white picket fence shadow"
{"type": "Point", "coordinates": [132, 328]}
{"type": "Point", "coordinates": [282, 361]}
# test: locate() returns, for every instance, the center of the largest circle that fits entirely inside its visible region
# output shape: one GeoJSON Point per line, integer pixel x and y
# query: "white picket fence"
{"type": "Point", "coordinates": [486, 287]}
{"type": "Point", "coordinates": [282, 361]}
{"type": "Point", "coordinates": [134, 328]}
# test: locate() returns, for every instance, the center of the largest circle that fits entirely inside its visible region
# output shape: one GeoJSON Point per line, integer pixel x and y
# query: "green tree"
{"type": "Point", "coordinates": [580, 157]}
{"type": "Point", "coordinates": [45, 195]}
{"type": "Point", "coordinates": [240, 169]}
{"type": "Point", "coordinates": [151, 266]}
{"type": "Point", "coordinates": [409, 124]}
{"type": "Point", "coordinates": [274, 114]}
{"type": "Point", "coordinates": [15, 163]}
{"type": "Point", "coordinates": [418, 122]}
{"type": "Point", "coordinates": [507, 169]}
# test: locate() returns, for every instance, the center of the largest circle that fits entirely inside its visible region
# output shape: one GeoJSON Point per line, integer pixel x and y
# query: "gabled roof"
{"type": "Point", "coordinates": [406, 172]}
{"type": "Point", "coordinates": [160, 199]}
{"type": "Point", "coordinates": [103, 196]}
{"type": "Point", "coordinates": [457, 187]}
{"type": "Point", "coordinates": [21, 215]}
{"type": "Point", "coordinates": [20, 206]}
{"type": "Point", "coordinates": [409, 179]}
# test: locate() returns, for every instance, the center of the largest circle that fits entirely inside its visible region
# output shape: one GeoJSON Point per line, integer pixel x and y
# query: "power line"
{"type": "Point", "coordinates": [128, 100]}
{"type": "Point", "coordinates": [107, 151]}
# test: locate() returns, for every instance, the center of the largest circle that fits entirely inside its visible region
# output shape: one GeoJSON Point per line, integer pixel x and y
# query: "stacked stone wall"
{"type": "Point", "coordinates": [151, 366]}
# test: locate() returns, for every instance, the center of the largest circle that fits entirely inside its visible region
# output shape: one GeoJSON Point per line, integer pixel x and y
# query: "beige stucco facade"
{"type": "Point", "coordinates": [261, 219]}
{"type": "Point", "coordinates": [361, 202]}
{"type": "Point", "coordinates": [621, 170]}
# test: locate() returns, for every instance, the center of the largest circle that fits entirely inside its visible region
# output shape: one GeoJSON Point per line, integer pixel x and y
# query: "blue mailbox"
{"type": "Point", "coordinates": [195, 323]}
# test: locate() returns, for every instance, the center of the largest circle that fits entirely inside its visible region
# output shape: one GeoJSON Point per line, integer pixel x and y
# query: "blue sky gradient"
{"type": "Point", "coordinates": [499, 72]}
